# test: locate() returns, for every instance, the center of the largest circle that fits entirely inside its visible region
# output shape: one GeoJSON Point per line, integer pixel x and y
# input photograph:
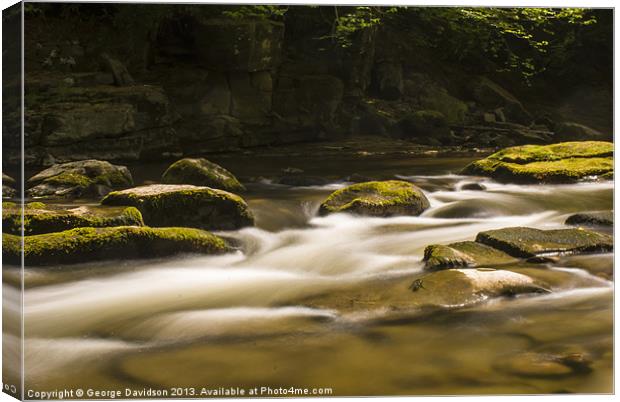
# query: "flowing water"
{"type": "Point", "coordinates": [248, 319]}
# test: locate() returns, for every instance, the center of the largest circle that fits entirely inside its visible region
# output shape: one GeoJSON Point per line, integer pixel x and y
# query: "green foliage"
{"type": "Point", "coordinates": [520, 40]}
{"type": "Point", "coordinates": [256, 11]}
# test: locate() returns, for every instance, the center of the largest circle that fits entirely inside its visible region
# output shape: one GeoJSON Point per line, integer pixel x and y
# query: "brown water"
{"type": "Point", "coordinates": [249, 319]}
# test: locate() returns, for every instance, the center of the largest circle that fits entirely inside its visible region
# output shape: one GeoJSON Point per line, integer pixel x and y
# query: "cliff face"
{"type": "Point", "coordinates": [181, 85]}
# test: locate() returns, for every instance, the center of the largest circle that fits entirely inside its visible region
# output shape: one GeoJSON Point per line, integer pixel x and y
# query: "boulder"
{"type": "Point", "coordinates": [525, 242]}
{"type": "Point", "coordinates": [556, 163]}
{"type": "Point", "coordinates": [38, 218]}
{"type": "Point", "coordinates": [79, 179]}
{"type": "Point", "coordinates": [594, 218]}
{"type": "Point", "coordinates": [492, 96]}
{"type": "Point", "coordinates": [243, 45]}
{"type": "Point", "coordinates": [570, 131]}
{"type": "Point", "coordinates": [201, 172]}
{"type": "Point", "coordinates": [424, 126]}
{"type": "Point", "coordinates": [377, 198]}
{"type": "Point", "coordinates": [122, 242]}
{"type": "Point", "coordinates": [185, 205]}
{"type": "Point", "coordinates": [432, 96]}
{"type": "Point", "coordinates": [81, 114]}
{"type": "Point", "coordinates": [464, 254]}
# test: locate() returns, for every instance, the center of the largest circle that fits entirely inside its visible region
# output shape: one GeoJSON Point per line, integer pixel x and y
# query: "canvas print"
{"type": "Point", "coordinates": [211, 200]}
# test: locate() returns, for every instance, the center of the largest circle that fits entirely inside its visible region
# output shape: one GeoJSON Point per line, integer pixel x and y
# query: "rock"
{"type": "Point", "coordinates": [389, 80]}
{"type": "Point", "coordinates": [121, 242]}
{"type": "Point", "coordinates": [320, 95]}
{"type": "Point", "coordinates": [425, 125]}
{"type": "Point", "coordinates": [8, 186]}
{"type": "Point", "coordinates": [8, 180]}
{"type": "Point", "coordinates": [473, 186]}
{"type": "Point", "coordinates": [432, 96]}
{"type": "Point", "coordinates": [463, 254]}
{"type": "Point", "coordinates": [185, 205]}
{"type": "Point", "coordinates": [358, 178]}
{"type": "Point", "coordinates": [248, 102]}
{"type": "Point", "coordinates": [525, 242]}
{"type": "Point", "coordinates": [377, 198]}
{"type": "Point", "coordinates": [8, 192]}
{"type": "Point", "coordinates": [541, 365]}
{"type": "Point", "coordinates": [241, 45]}
{"type": "Point", "coordinates": [302, 180]}
{"type": "Point", "coordinates": [569, 131]}
{"type": "Point", "coordinates": [201, 172]}
{"type": "Point", "coordinates": [117, 69]}
{"type": "Point", "coordinates": [556, 163]}
{"type": "Point", "coordinates": [79, 179]}
{"type": "Point", "coordinates": [308, 100]}
{"type": "Point", "coordinates": [491, 95]}
{"type": "Point", "coordinates": [595, 218]}
{"type": "Point", "coordinates": [451, 288]}
{"type": "Point", "coordinates": [38, 218]}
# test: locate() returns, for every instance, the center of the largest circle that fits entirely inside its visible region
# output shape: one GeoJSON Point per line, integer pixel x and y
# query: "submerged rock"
{"type": "Point", "coordinates": [377, 198]}
{"type": "Point", "coordinates": [79, 179]}
{"type": "Point", "coordinates": [38, 218]}
{"type": "Point", "coordinates": [201, 172]}
{"type": "Point", "coordinates": [451, 288]}
{"type": "Point", "coordinates": [123, 242]}
{"type": "Point", "coordinates": [594, 218]}
{"type": "Point", "coordinates": [185, 205]}
{"type": "Point", "coordinates": [557, 163]}
{"type": "Point", "coordinates": [525, 242]}
{"type": "Point", "coordinates": [546, 364]}
{"type": "Point", "coordinates": [463, 254]}
{"type": "Point", "coordinates": [473, 187]}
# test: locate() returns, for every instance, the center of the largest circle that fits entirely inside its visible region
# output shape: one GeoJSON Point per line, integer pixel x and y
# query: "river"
{"type": "Point", "coordinates": [251, 318]}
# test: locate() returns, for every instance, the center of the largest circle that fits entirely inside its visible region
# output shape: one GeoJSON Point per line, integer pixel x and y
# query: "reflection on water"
{"type": "Point", "coordinates": [246, 319]}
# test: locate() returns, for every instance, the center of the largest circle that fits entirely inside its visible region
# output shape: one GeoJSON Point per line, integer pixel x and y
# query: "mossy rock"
{"type": "Point", "coordinates": [79, 179]}
{"type": "Point", "coordinates": [185, 205]}
{"type": "Point", "coordinates": [463, 254]}
{"type": "Point", "coordinates": [558, 163]}
{"type": "Point", "coordinates": [594, 218]}
{"type": "Point", "coordinates": [450, 288]}
{"type": "Point", "coordinates": [377, 198]}
{"type": "Point", "coordinates": [525, 242]}
{"type": "Point", "coordinates": [38, 218]}
{"type": "Point", "coordinates": [122, 242]}
{"type": "Point", "coordinates": [201, 172]}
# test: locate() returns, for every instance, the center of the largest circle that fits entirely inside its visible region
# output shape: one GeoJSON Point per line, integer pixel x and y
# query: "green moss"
{"type": "Point", "coordinates": [70, 179]}
{"type": "Point", "coordinates": [540, 153]}
{"type": "Point", "coordinates": [201, 172]}
{"type": "Point", "coordinates": [40, 220]}
{"type": "Point", "coordinates": [378, 198]}
{"type": "Point", "coordinates": [35, 205]}
{"type": "Point", "coordinates": [463, 254]}
{"type": "Point", "coordinates": [557, 163]}
{"type": "Point", "coordinates": [88, 244]}
{"type": "Point", "coordinates": [186, 205]}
